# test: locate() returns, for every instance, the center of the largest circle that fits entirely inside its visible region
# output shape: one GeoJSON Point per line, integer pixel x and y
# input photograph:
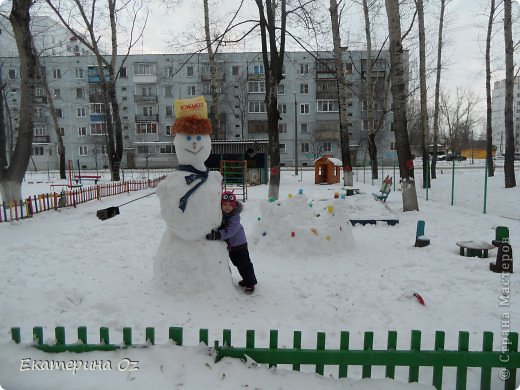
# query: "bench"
{"type": "Point", "coordinates": [474, 248]}
{"type": "Point", "coordinates": [351, 191]}
{"type": "Point", "coordinates": [385, 189]}
{"type": "Point", "coordinates": [80, 178]}
{"type": "Point", "coordinates": [501, 236]}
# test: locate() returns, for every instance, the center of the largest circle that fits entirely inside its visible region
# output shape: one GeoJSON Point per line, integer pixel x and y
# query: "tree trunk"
{"type": "Point", "coordinates": [399, 103]}
{"type": "Point", "coordinates": [509, 163]}
{"type": "Point", "coordinates": [437, 92]}
{"type": "Point", "coordinates": [489, 127]}
{"type": "Point", "coordinates": [12, 176]}
{"type": "Point", "coordinates": [3, 133]}
{"type": "Point", "coordinates": [215, 96]}
{"type": "Point", "coordinates": [369, 96]}
{"type": "Point", "coordinates": [50, 101]}
{"type": "Point", "coordinates": [423, 94]}
{"type": "Point", "coordinates": [342, 97]}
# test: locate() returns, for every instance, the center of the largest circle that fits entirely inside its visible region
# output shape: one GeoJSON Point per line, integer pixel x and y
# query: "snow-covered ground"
{"type": "Point", "coordinates": [68, 268]}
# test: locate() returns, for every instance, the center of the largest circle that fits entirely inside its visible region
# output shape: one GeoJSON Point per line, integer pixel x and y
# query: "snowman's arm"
{"type": "Point", "coordinates": [232, 228]}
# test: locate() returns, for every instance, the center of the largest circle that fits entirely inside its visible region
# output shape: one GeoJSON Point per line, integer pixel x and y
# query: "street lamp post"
{"type": "Point", "coordinates": [295, 137]}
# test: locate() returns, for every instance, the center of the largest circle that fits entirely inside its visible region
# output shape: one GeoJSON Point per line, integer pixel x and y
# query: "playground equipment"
{"type": "Point", "coordinates": [385, 189]}
{"type": "Point", "coordinates": [420, 239]}
{"type": "Point", "coordinates": [234, 175]}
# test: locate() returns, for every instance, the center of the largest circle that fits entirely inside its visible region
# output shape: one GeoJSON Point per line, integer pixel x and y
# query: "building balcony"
{"type": "Point", "coordinates": [99, 117]}
{"type": "Point", "coordinates": [327, 135]}
{"type": "Point", "coordinates": [145, 99]}
{"type": "Point", "coordinates": [41, 139]}
{"type": "Point", "coordinates": [40, 99]}
{"type": "Point", "coordinates": [146, 137]}
{"type": "Point", "coordinates": [145, 78]}
{"type": "Point", "coordinates": [147, 118]}
{"type": "Point", "coordinates": [330, 95]}
{"type": "Point", "coordinates": [221, 76]}
{"type": "Point", "coordinates": [257, 126]}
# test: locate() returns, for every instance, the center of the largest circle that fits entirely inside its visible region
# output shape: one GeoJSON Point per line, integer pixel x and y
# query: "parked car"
{"type": "Point", "coordinates": [441, 157]}
{"type": "Point", "coordinates": [456, 157]}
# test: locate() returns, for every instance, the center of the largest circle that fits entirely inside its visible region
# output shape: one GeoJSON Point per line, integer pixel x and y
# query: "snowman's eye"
{"type": "Point", "coordinates": [199, 138]}
{"type": "Point", "coordinates": [188, 138]}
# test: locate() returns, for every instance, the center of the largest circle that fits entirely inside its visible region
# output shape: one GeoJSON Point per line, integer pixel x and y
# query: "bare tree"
{"type": "Point", "coordinates": [489, 128]}
{"type": "Point", "coordinates": [12, 173]}
{"type": "Point", "coordinates": [342, 96]}
{"type": "Point", "coordinates": [509, 163]}
{"type": "Point", "coordinates": [459, 114]}
{"type": "Point", "coordinates": [90, 20]}
{"type": "Point", "coordinates": [273, 35]}
{"type": "Point", "coordinates": [423, 92]}
{"type": "Point", "coordinates": [399, 107]}
{"type": "Point", "coordinates": [440, 43]}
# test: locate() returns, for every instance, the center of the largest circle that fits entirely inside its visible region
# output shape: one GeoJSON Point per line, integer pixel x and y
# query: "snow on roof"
{"type": "Point", "coordinates": [335, 161]}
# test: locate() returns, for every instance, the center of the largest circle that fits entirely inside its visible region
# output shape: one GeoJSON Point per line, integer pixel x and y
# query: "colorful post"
{"type": "Point", "coordinates": [485, 185]}
{"type": "Point", "coordinates": [452, 181]}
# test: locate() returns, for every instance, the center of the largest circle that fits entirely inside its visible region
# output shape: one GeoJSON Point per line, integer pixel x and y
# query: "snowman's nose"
{"type": "Point", "coordinates": [194, 145]}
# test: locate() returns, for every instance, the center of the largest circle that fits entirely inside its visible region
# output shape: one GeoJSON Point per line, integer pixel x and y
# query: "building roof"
{"type": "Point", "coordinates": [335, 161]}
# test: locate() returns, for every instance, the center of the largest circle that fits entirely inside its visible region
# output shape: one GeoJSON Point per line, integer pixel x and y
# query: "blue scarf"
{"type": "Point", "coordinates": [195, 174]}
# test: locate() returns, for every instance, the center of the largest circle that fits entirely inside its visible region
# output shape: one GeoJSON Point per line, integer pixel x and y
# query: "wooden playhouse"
{"type": "Point", "coordinates": [327, 170]}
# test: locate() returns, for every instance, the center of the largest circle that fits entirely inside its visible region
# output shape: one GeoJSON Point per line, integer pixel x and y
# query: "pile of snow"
{"type": "Point", "coordinates": [304, 227]}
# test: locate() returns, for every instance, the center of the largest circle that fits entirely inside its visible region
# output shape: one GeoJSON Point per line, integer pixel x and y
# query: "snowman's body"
{"type": "Point", "coordinates": [187, 263]}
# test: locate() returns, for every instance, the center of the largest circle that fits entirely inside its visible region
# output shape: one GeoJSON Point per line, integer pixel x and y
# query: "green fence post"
{"type": "Point", "coordinates": [485, 373]}
{"type": "Point", "coordinates": [150, 335]}
{"type": "Point", "coordinates": [82, 334]}
{"type": "Point", "coordinates": [297, 344]}
{"type": "Point", "coordinates": [382, 167]}
{"type": "Point", "coordinates": [462, 371]}
{"type": "Point", "coordinates": [368, 343]}
{"type": "Point", "coordinates": [203, 336]}
{"type": "Point", "coordinates": [343, 345]}
{"type": "Point", "coordinates": [391, 345]}
{"type": "Point", "coordinates": [427, 175]}
{"type": "Point", "coordinates": [273, 342]}
{"type": "Point", "coordinates": [437, 370]}
{"type": "Point", "coordinates": [175, 334]}
{"type": "Point", "coordinates": [127, 336]}
{"type": "Point", "coordinates": [485, 185]}
{"type": "Point", "coordinates": [59, 333]}
{"type": "Point", "coordinates": [15, 335]}
{"type": "Point", "coordinates": [395, 179]}
{"type": "Point", "coordinates": [226, 337]}
{"type": "Point", "coordinates": [250, 338]}
{"type": "Point", "coordinates": [452, 181]}
{"type": "Point", "coordinates": [38, 335]}
{"type": "Point", "coordinates": [364, 173]}
{"type": "Point", "coordinates": [415, 345]}
{"type": "Point", "coordinates": [320, 346]}
{"type": "Point", "coordinates": [104, 337]}
{"type": "Point", "coordinates": [513, 347]}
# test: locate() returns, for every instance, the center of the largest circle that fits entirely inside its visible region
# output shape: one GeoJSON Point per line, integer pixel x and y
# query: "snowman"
{"type": "Point", "coordinates": [186, 263]}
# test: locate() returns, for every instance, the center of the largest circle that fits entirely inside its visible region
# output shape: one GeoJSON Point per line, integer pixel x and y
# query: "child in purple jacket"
{"type": "Point", "coordinates": [232, 231]}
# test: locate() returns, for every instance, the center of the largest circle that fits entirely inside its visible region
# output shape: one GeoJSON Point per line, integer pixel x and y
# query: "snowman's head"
{"type": "Point", "coordinates": [192, 149]}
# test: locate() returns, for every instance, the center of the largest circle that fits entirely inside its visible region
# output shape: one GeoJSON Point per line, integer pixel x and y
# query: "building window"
{"type": "Point", "coordinates": [327, 147]}
{"type": "Point", "coordinates": [79, 93]}
{"type": "Point", "coordinates": [39, 92]}
{"type": "Point", "coordinates": [146, 128]}
{"type": "Point", "coordinates": [82, 131]}
{"type": "Point", "coordinates": [304, 108]}
{"type": "Point", "coordinates": [83, 151]}
{"type": "Point", "coordinates": [81, 112]}
{"type": "Point", "coordinates": [304, 88]}
{"type": "Point", "coordinates": [258, 69]}
{"type": "Point", "coordinates": [123, 72]}
{"type": "Point", "coordinates": [304, 147]}
{"type": "Point", "coordinates": [256, 86]}
{"type": "Point", "coordinates": [40, 129]}
{"type": "Point", "coordinates": [191, 90]}
{"type": "Point", "coordinates": [169, 111]}
{"type": "Point", "coordinates": [37, 151]}
{"type": "Point", "coordinates": [97, 108]}
{"type": "Point", "coordinates": [189, 71]}
{"type": "Point", "coordinates": [167, 149]}
{"type": "Point", "coordinates": [58, 112]}
{"type": "Point", "coordinates": [144, 69]}
{"type": "Point", "coordinates": [56, 73]}
{"type": "Point", "coordinates": [98, 129]}
{"type": "Point", "coordinates": [348, 68]}
{"type": "Point", "coordinates": [12, 74]}
{"type": "Point", "coordinates": [235, 70]}
{"type": "Point", "coordinates": [282, 148]}
{"type": "Point", "coordinates": [168, 91]}
{"type": "Point", "coordinates": [281, 89]}
{"type": "Point", "coordinates": [145, 149]}
{"type": "Point", "coordinates": [304, 68]}
{"type": "Point", "coordinates": [168, 129]}
{"type": "Point", "coordinates": [79, 73]}
{"type": "Point", "coordinates": [282, 128]}
{"type": "Point", "coordinates": [62, 131]}
{"type": "Point", "coordinates": [282, 108]}
{"type": "Point", "coordinates": [257, 107]}
{"type": "Point", "coordinates": [57, 94]}
{"type": "Point", "coordinates": [304, 128]}
{"type": "Point", "coordinates": [148, 111]}
{"type": "Point", "coordinates": [327, 106]}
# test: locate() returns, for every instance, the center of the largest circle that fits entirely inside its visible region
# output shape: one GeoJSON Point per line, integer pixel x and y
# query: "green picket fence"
{"type": "Point", "coordinates": [507, 359]}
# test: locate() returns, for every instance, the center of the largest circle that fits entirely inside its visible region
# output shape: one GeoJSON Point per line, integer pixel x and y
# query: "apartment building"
{"type": "Point", "coordinates": [497, 106]}
{"type": "Point", "coordinates": [148, 85]}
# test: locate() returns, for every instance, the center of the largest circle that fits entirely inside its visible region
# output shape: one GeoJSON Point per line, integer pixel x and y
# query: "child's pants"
{"type": "Point", "coordinates": [239, 256]}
